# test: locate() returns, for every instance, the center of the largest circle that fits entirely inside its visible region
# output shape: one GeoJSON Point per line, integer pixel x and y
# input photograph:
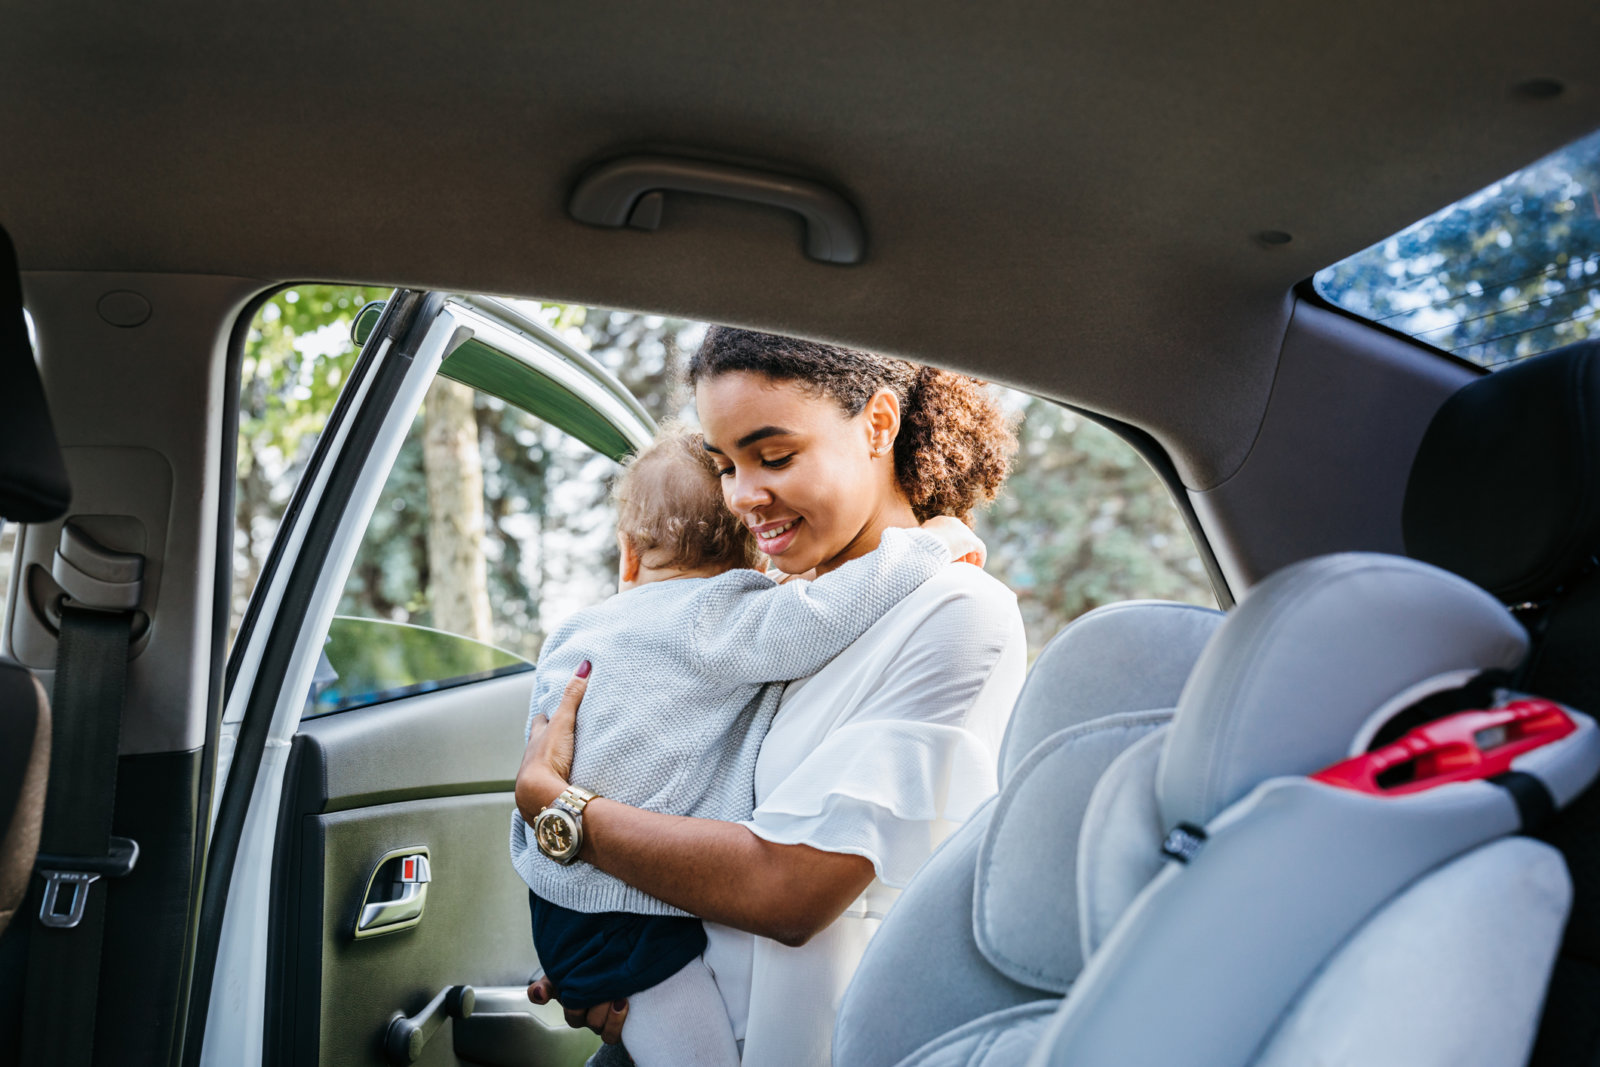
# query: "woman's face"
{"type": "Point", "coordinates": [814, 484]}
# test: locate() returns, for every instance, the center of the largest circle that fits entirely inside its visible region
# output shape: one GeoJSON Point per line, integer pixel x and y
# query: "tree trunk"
{"type": "Point", "coordinates": [458, 587]}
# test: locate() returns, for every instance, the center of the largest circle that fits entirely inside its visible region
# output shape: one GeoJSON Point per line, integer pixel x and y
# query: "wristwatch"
{"type": "Point", "coordinates": [558, 829]}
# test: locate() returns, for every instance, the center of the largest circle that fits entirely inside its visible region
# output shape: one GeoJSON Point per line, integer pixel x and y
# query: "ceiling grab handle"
{"type": "Point", "coordinates": [630, 192]}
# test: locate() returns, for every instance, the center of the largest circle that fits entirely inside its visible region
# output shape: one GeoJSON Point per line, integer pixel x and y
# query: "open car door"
{"type": "Point", "coordinates": [360, 906]}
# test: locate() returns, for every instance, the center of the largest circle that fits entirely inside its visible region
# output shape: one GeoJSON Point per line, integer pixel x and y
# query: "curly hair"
{"type": "Point", "coordinates": [670, 509]}
{"type": "Point", "coordinates": [955, 444]}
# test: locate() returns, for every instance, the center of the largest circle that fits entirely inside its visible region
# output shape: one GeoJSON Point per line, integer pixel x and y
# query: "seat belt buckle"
{"type": "Point", "coordinates": [75, 874]}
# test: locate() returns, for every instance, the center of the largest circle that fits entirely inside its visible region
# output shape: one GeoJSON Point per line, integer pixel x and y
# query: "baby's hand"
{"type": "Point", "coordinates": [965, 547]}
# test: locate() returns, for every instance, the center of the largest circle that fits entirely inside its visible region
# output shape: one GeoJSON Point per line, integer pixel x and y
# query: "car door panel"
{"type": "Point", "coordinates": [433, 771]}
{"type": "Point", "coordinates": [407, 739]}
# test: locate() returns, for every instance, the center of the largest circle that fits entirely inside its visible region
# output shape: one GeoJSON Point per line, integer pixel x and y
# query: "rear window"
{"type": "Point", "coordinates": [1506, 273]}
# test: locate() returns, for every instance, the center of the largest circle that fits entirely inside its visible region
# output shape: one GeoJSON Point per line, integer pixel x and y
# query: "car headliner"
{"type": "Point", "coordinates": [1063, 197]}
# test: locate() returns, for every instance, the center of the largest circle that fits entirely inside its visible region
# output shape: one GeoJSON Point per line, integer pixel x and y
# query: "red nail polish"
{"type": "Point", "coordinates": [619, 1005]}
{"type": "Point", "coordinates": [583, 669]}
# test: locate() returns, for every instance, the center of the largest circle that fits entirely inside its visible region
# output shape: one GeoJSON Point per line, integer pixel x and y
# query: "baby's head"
{"type": "Point", "coordinates": [670, 516]}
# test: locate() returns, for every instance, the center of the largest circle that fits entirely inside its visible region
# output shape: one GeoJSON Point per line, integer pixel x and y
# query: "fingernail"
{"type": "Point", "coordinates": [619, 1005]}
{"type": "Point", "coordinates": [583, 669]}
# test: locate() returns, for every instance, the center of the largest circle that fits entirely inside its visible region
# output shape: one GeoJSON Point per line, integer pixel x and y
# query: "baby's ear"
{"type": "Point", "coordinates": [630, 558]}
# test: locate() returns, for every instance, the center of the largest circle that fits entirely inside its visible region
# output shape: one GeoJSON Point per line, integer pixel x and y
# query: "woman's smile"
{"type": "Point", "coordinates": [775, 537]}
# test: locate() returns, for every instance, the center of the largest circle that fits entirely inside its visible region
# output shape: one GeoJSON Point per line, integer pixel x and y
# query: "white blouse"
{"type": "Point", "coordinates": [880, 754]}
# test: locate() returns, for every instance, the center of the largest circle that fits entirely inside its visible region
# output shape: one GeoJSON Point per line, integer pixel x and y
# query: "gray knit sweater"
{"type": "Point", "coordinates": [687, 677]}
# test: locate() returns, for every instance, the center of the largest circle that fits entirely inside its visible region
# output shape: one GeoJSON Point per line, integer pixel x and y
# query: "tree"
{"type": "Point", "coordinates": [458, 575]}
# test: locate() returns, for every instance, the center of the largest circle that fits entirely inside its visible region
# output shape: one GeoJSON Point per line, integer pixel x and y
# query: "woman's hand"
{"type": "Point", "coordinates": [547, 759]}
{"type": "Point", "coordinates": [604, 1019]}
{"type": "Point", "coordinates": [965, 546]}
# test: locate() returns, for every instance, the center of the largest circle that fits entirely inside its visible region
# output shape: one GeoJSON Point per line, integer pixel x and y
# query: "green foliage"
{"type": "Point", "coordinates": [1083, 521]}
{"type": "Point", "coordinates": [297, 357]}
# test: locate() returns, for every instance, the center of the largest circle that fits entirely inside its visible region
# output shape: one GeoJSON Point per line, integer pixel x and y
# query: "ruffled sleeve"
{"type": "Point", "coordinates": [889, 791]}
{"type": "Point", "coordinates": [890, 747]}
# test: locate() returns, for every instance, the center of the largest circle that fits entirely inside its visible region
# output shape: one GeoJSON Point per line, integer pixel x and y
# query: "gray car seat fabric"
{"type": "Point", "coordinates": [1416, 983]}
{"type": "Point", "coordinates": [1505, 491]}
{"type": "Point", "coordinates": [1133, 656]}
{"type": "Point", "coordinates": [1151, 647]}
{"type": "Point", "coordinates": [1198, 961]}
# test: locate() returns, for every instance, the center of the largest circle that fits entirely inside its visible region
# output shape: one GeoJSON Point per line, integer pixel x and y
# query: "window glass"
{"type": "Point", "coordinates": [297, 355]}
{"type": "Point", "coordinates": [1082, 522]}
{"type": "Point", "coordinates": [492, 527]}
{"type": "Point", "coordinates": [1507, 273]}
{"type": "Point", "coordinates": [432, 597]}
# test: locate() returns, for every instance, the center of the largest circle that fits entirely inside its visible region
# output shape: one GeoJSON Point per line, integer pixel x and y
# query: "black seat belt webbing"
{"type": "Point", "coordinates": [64, 961]}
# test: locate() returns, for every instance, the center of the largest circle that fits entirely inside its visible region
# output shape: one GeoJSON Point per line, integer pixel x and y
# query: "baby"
{"type": "Point", "coordinates": [689, 663]}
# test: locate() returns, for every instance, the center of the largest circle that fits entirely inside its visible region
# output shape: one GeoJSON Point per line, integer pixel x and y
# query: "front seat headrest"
{"type": "Point", "coordinates": [1308, 659]}
{"type": "Point", "coordinates": [1505, 489]}
{"type": "Point", "coordinates": [33, 476]}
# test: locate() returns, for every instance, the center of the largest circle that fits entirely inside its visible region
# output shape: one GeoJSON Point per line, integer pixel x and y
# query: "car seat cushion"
{"type": "Point", "coordinates": [1307, 658]}
{"type": "Point", "coordinates": [1130, 656]}
{"type": "Point", "coordinates": [1415, 983]}
{"type": "Point", "coordinates": [1234, 933]}
{"type": "Point", "coordinates": [1505, 487]}
{"type": "Point", "coordinates": [924, 974]}
{"type": "Point", "coordinates": [999, 1039]}
{"type": "Point", "coordinates": [1025, 906]}
{"type": "Point", "coordinates": [1119, 846]}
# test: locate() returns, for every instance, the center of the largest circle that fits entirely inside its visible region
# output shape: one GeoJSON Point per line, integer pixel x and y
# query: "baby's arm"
{"type": "Point", "coordinates": [759, 633]}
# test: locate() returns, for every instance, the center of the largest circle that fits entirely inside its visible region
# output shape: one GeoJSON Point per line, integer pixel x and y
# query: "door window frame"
{"type": "Point", "coordinates": [504, 353]}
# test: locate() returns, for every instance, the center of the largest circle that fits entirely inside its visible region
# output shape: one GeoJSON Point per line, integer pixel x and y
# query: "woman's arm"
{"type": "Point", "coordinates": [719, 871]}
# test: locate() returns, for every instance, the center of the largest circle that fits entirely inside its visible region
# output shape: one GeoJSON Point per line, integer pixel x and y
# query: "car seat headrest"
{"type": "Point", "coordinates": [1312, 654]}
{"type": "Point", "coordinates": [1505, 488]}
{"type": "Point", "coordinates": [33, 476]}
{"type": "Point", "coordinates": [1131, 656]}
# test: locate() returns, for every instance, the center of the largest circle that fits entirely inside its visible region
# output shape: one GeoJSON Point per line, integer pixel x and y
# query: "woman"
{"type": "Point", "coordinates": [872, 760]}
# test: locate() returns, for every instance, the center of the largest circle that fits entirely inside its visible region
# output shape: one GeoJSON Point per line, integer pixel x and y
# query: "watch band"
{"type": "Point", "coordinates": [576, 797]}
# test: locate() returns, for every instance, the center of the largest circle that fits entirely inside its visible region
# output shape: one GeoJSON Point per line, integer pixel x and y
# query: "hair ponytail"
{"type": "Point", "coordinates": [955, 445]}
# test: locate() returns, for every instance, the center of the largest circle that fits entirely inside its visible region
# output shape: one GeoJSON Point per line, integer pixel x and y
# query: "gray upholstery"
{"type": "Point", "coordinates": [929, 932]}
{"type": "Point", "coordinates": [1122, 830]}
{"type": "Point", "coordinates": [1257, 941]}
{"type": "Point", "coordinates": [1025, 906]}
{"type": "Point", "coordinates": [1133, 656]}
{"type": "Point", "coordinates": [1416, 984]}
{"type": "Point", "coordinates": [1308, 656]}
{"type": "Point", "coordinates": [1262, 909]}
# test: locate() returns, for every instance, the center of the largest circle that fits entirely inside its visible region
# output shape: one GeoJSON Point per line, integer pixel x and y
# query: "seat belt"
{"type": "Point", "coordinates": [76, 846]}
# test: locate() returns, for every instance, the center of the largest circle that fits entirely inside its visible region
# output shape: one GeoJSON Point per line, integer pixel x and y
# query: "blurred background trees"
{"type": "Point", "coordinates": [1083, 522]}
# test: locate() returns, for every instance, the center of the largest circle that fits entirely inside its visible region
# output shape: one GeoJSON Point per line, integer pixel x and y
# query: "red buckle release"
{"type": "Point", "coordinates": [1458, 748]}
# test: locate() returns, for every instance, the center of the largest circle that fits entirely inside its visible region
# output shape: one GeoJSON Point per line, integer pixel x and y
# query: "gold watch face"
{"type": "Point", "coordinates": [555, 833]}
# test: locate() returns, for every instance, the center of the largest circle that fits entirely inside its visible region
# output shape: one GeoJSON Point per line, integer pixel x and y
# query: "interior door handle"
{"type": "Point", "coordinates": [629, 192]}
{"type": "Point", "coordinates": [407, 1036]}
{"type": "Point", "coordinates": [397, 891]}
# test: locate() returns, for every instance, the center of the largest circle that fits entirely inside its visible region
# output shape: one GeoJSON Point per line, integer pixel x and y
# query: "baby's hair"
{"type": "Point", "coordinates": [670, 508]}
